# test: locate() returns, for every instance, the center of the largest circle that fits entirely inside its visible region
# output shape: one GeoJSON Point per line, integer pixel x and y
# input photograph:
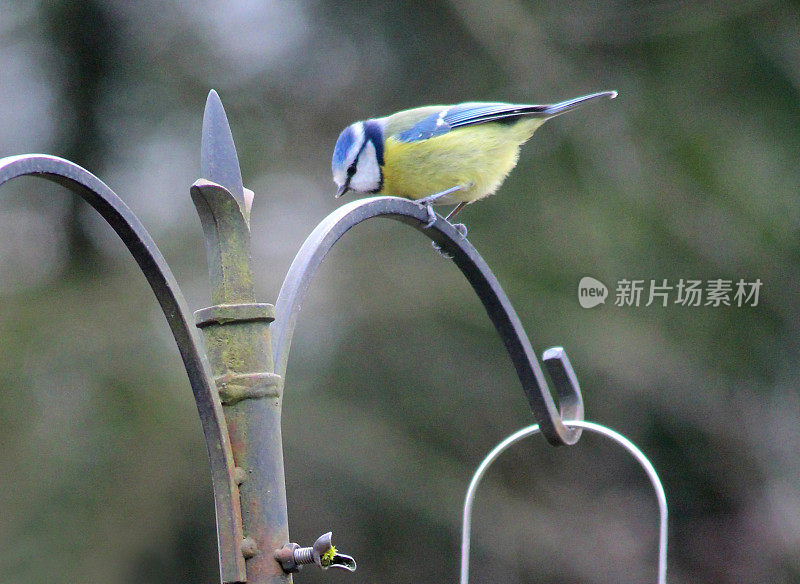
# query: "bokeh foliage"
{"type": "Point", "coordinates": [397, 385]}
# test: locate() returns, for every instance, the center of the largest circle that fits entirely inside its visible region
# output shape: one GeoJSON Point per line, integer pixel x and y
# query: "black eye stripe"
{"type": "Point", "coordinates": [351, 170]}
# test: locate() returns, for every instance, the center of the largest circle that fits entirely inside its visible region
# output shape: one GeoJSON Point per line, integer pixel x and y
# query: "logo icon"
{"type": "Point", "coordinates": [591, 292]}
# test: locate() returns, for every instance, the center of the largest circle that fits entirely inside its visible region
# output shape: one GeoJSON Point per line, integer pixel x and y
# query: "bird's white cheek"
{"type": "Point", "coordinates": [368, 176]}
{"type": "Point", "coordinates": [339, 177]}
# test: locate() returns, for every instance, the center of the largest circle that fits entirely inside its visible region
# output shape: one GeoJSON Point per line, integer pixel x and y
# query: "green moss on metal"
{"type": "Point", "coordinates": [327, 558]}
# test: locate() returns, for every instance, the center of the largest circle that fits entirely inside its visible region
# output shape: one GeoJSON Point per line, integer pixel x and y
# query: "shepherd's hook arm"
{"type": "Point", "coordinates": [152, 263]}
{"type": "Point", "coordinates": [483, 281]}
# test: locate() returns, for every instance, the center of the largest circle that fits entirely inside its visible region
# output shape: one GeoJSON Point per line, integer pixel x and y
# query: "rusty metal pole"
{"type": "Point", "coordinates": [237, 336]}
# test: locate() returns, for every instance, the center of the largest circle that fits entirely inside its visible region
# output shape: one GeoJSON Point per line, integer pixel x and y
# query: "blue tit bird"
{"type": "Point", "coordinates": [448, 155]}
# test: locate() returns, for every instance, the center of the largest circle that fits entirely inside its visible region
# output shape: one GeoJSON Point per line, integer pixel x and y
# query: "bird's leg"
{"type": "Point", "coordinates": [460, 227]}
{"type": "Point", "coordinates": [456, 210]}
{"type": "Point", "coordinates": [426, 202]}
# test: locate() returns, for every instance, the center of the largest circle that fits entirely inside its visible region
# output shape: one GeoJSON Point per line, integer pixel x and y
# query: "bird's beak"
{"type": "Point", "coordinates": [342, 190]}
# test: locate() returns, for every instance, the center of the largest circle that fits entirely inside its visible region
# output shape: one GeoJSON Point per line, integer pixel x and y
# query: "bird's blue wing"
{"type": "Point", "coordinates": [466, 114]}
{"type": "Point", "coordinates": [478, 113]}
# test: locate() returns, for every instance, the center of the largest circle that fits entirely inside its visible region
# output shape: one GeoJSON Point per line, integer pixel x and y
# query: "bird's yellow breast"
{"type": "Point", "coordinates": [478, 157]}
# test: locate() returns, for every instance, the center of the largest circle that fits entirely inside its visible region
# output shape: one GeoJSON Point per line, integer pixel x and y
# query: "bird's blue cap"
{"type": "Point", "coordinates": [343, 146]}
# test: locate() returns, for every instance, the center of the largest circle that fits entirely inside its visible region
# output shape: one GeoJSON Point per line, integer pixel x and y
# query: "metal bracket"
{"type": "Point", "coordinates": [235, 388]}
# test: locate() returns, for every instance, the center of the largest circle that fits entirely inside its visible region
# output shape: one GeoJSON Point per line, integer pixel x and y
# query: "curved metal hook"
{"type": "Point", "coordinates": [483, 281]}
{"type": "Point", "coordinates": [530, 431]}
{"type": "Point", "coordinates": [165, 287]}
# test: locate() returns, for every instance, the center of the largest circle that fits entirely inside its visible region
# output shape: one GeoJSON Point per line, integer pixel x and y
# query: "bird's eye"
{"type": "Point", "coordinates": [351, 170]}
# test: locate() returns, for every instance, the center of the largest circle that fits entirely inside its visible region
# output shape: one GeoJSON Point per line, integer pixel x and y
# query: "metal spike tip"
{"type": "Point", "coordinates": [218, 159]}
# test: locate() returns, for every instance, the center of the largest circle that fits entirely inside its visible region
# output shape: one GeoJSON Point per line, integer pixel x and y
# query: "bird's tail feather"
{"type": "Point", "coordinates": [565, 106]}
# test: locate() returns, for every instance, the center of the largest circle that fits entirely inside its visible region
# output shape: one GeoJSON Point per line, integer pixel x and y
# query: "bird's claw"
{"type": "Point", "coordinates": [462, 231]}
{"type": "Point", "coordinates": [431, 214]}
{"type": "Point", "coordinates": [438, 248]}
{"type": "Point", "coordinates": [461, 228]}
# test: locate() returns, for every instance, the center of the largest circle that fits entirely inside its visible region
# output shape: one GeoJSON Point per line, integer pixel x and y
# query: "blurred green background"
{"type": "Point", "coordinates": [397, 385]}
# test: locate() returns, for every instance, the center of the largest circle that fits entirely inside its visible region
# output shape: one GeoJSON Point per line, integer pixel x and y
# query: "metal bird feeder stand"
{"type": "Point", "coordinates": [237, 367]}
